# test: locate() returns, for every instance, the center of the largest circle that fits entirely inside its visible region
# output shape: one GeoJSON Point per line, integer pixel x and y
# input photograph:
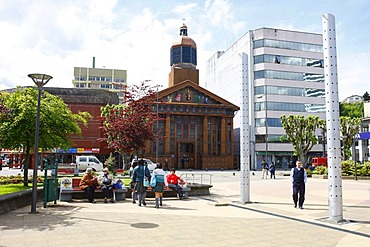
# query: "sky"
{"type": "Point", "coordinates": [54, 36]}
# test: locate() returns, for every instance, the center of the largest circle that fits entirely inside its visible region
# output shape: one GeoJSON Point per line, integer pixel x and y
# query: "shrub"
{"type": "Point", "coordinates": [309, 173]}
{"type": "Point", "coordinates": [364, 169]}
{"type": "Point", "coordinates": [111, 164]}
{"type": "Point", "coordinates": [18, 179]}
{"type": "Point", "coordinates": [348, 167]}
{"type": "Point", "coordinates": [320, 170]}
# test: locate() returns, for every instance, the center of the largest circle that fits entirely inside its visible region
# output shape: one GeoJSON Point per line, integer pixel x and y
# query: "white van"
{"type": "Point", "coordinates": [83, 162]}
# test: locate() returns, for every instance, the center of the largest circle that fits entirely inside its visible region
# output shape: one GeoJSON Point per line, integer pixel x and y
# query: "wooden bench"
{"type": "Point", "coordinates": [70, 186]}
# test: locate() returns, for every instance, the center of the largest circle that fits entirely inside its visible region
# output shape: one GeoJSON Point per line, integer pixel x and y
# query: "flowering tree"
{"type": "Point", "coordinates": [126, 127]}
{"type": "Point", "coordinates": [5, 112]}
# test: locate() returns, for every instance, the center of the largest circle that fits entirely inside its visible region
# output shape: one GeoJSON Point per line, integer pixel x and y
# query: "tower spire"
{"type": "Point", "coordinates": [183, 28]}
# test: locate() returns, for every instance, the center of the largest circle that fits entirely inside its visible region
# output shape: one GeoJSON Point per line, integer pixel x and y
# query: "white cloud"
{"type": "Point", "coordinates": [52, 37]}
{"type": "Point", "coordinates": [220, 12]}
{"type": "Point", "coordinates": [184, 9]}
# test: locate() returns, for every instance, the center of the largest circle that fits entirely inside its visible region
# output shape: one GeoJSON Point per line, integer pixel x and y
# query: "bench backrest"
{"type": "Point", "coordinates": [76, 182]}
{"type": "Point", "coordinates": [68, 183]}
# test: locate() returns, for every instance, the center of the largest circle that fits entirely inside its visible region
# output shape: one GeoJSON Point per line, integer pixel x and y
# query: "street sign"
{"type": "Point", "coordinates": [362, 136]}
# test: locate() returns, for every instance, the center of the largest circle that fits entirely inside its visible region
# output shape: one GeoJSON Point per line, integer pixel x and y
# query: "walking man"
{"type": "Point", "coordinates": [298, 177]}
{"type": "Point", "coordinates": [265, 169]}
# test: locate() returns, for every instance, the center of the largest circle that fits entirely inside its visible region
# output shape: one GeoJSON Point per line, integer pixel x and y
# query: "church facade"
{"type": "Point", "coordinates": [196, 125]}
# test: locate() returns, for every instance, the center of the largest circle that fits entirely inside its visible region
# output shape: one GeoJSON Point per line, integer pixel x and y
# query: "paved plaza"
{"type": "Point", "coordinates": [215, 220]}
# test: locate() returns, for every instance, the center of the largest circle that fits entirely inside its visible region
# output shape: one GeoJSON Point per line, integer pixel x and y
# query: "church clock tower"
{"type": "Point", "coordinates": [183, 60]}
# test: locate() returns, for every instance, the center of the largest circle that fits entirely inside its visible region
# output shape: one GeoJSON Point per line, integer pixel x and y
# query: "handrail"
{"type": "Point", "coordinates": [197, 178]}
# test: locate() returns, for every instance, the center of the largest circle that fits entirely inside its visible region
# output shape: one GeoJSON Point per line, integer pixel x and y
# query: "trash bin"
{"type": "Point", "coordinates": [52, 190]}
{"type": "Point", "coordinates": [51, 184]}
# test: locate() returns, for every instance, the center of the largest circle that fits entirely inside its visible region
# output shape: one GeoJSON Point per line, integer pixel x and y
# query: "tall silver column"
{"type": "Point", "coordinates": [244, 134]}
{"type": "Point", "coordinates": [332, 119]}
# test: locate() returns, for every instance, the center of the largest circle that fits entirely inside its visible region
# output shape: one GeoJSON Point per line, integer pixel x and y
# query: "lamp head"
{"type": "Point", "coordinates": [40, 79]}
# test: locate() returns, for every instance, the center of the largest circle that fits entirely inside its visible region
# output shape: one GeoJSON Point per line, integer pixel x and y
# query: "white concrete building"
{"type": "Point", "coordinates": [353, 99]}
{"type": "Point", "coordinates": [114, 80]}
{"type": "Point", "coordinates": [285, 76]}
{"type": "Point", "coordinates": [362, 147]}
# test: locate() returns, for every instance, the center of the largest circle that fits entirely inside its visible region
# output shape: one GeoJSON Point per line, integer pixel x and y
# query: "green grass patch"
{"type": "Point", "coordinates": [11, 188]}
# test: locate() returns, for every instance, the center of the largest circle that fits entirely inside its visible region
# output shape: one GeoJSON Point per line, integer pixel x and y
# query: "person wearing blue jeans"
{"type": "Point", "coordinates": [298, 177]}
{"type": "Point", "coordinates": [174, 183]}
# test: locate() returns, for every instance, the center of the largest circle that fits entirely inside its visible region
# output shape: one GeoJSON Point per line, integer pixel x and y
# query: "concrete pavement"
{"type": "Point", "coordinates": [214, 220]}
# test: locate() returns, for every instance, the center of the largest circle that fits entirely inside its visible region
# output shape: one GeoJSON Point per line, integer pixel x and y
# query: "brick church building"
{"type": "Point", "coordinates": [197, 125]}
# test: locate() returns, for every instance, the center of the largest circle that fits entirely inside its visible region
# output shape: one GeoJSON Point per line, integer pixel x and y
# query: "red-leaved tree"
{"type": "Point", "coordinates": [126, 127]}
{"type": "Point", "coordinates": [4, 111]}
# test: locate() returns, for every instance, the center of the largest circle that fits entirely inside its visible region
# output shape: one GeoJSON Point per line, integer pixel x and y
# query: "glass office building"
{"type": "Point", "coordinates": [285, 76]}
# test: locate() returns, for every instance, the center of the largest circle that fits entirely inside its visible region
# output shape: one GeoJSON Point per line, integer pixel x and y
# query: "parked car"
{"type": "Point", "coordinates": [4, 161]}
{"type": "Point", "coordinates": [83, 162]}
{"type": "Point", "coordinates": [151, 165]}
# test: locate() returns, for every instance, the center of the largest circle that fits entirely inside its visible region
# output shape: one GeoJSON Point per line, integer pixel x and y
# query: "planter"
{"type": "Point", "coordinates": [319, 176]}
{"type": "Point", "coordinates": [358, 177]}
{"type": "Point", "coordinates": [343, 177]}
{"type": "Point", "coordinates": [19, 199]}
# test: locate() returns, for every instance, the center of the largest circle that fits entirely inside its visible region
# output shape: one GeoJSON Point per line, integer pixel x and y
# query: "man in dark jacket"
{"type": "Point", "coordinates": [299, 178]}
{"type": "Point", "coordinates": [141, 173]}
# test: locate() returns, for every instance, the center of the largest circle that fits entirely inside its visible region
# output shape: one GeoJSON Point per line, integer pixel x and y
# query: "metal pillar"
{"type": "Point", "coordinates": [244, 134]}
{"type": "Point", "coordinates": [332, 119]}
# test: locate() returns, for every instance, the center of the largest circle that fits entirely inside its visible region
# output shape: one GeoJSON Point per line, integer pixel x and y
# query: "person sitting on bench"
{"type": "Point", "coordinates": [106, 184]}
{"type": "Point", "coordinates": [88, 183]}
{"type": "Point", "coordinates": [175, 183]}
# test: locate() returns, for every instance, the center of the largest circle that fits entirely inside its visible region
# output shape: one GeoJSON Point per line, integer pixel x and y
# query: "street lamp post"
{"type": "Point", "coordinates": [157, 141]}
{"type": "Point", "coordinates": [40, 80]}
{"type": "Point", "coordinates": [266, 124]}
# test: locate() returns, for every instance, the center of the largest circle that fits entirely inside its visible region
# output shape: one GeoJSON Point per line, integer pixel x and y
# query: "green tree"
{"type": "Point", "coordinates": [110, 163]}
{"type": "Point", "coordinates": [57, 122]}
{"type": "Point", "coordinates": [349, 127]}
{"type": "Point", "coordinates": [300, 131]}
{"type": "Point", "coordinates": [322, 126]}
{"type": "Point", "coordinates": [127, 127]}
{"type": "Point", "coordinates": [352, 110]}
{"type": "Point", "coordinates": [366, 96]}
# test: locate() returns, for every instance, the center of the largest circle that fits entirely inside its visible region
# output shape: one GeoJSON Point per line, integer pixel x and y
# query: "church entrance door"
{"type": "Point", "coordinates": [185, 155]}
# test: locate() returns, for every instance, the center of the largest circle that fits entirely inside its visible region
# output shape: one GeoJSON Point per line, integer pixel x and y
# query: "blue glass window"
{"type": "Point", "coordinates": [291, 91]}
{"type": "Point", "coordinates": [309, 62]}
{"type": "Point", "coordinates": [287, 45]}
{"type": "Point", "coordinates": [292, 107]}
{"type": "Point", "coordinates": [285, 75]}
